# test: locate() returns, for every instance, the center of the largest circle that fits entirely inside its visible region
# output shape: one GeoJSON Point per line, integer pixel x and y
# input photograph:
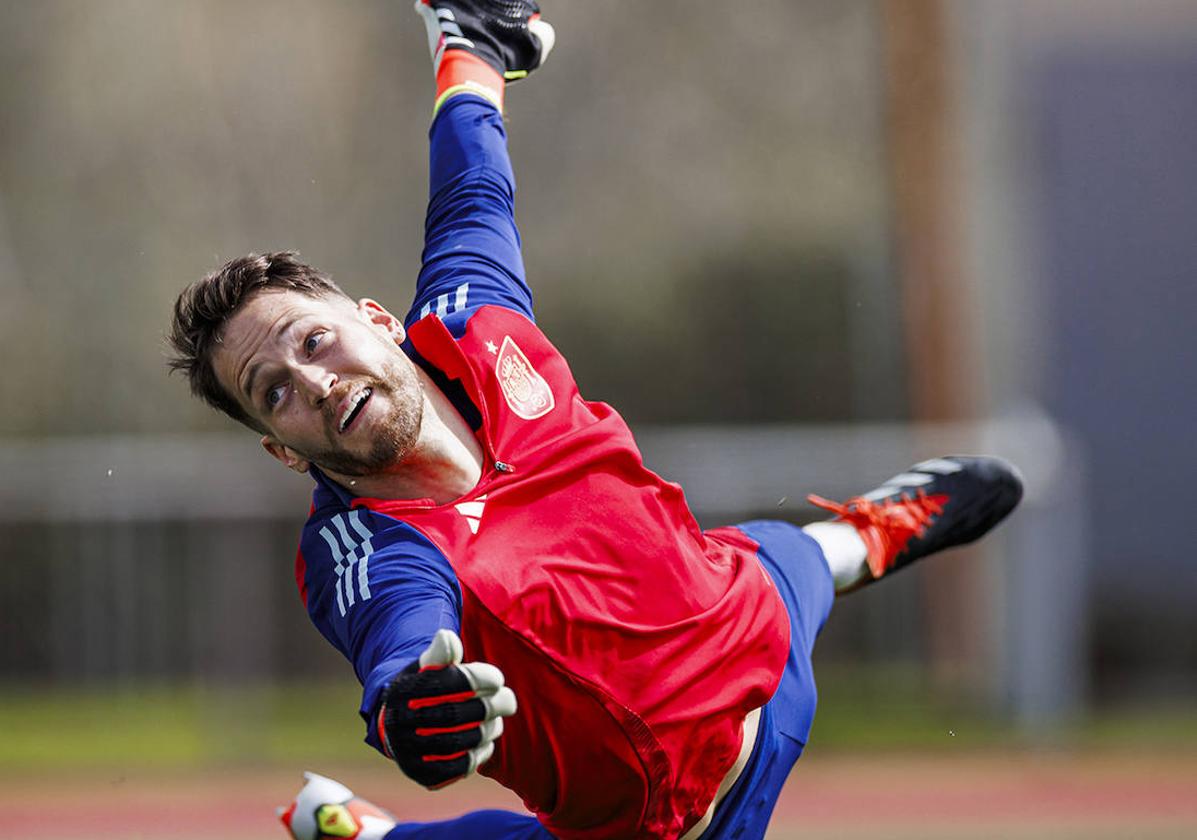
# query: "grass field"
{"type": "Point", "coordinates": [184, 764]}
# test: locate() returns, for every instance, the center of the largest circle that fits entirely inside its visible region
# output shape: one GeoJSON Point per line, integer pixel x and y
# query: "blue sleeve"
{"type": "Point", "coordinates": [379, 591]}
{"type": "Point", "coordinates": [485, 825]}
{"type": "Point", "coordinates": [471, 244]}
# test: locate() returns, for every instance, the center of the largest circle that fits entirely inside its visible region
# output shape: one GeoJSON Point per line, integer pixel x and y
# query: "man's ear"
{"type": "Point", "coordinates": [378, 315]}
{"type": "Point", "coordinates": [287, 456]}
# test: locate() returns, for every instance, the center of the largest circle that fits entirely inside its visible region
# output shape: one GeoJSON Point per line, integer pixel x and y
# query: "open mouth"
{"type": "Point", "coordinates": [355, 409]}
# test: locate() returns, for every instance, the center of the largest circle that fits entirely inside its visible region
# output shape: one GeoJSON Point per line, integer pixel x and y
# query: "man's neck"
{"type": "Point", "coordinates": [445, 464]}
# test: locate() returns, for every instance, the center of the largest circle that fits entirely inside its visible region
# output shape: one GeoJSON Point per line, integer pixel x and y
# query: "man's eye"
{"type": "Point", "coordinates": [274, 396]}
{"type": "Point", "coordinates": [312, 342]}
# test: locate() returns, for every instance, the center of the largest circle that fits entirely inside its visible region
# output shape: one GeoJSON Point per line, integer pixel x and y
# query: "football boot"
{"type": "Point", "coordinates": [934, 505]}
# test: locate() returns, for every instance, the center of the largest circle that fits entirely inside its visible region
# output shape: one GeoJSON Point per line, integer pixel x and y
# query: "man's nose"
{"type": "Point", "coordinates": [315, 381]}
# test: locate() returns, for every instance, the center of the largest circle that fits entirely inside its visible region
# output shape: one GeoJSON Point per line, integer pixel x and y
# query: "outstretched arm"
{"type": "Point", "coordinates": [326, 808]}
{"type": "Point", "coordinates": [472, 246]}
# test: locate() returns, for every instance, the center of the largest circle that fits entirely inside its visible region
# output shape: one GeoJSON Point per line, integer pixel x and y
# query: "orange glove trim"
{"type": "Point", "coordinates": [463, 72]}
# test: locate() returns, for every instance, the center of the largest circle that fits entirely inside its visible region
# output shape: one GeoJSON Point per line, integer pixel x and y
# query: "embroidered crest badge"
{"type": "Point", "coordinates": [524, 389]}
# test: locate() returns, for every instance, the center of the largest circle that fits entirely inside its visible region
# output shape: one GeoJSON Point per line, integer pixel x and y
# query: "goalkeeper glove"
{"type": "Point", "coordinates": [439, 718]}
{"type": "Point", "coordinates": [477, 45]}
{"type": "Point", "coordinates": [326, 809]}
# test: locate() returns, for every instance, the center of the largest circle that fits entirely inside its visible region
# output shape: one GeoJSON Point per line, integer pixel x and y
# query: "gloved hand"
{"type": "Point", "coordinates": [326, 809]}
{"type": "Point", "coordinates": [439, 718]}
{"type": "Point", "coordinates": [509, 35]}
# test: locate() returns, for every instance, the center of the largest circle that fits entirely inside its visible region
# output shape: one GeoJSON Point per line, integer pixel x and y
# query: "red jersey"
{"type": "Point", "coordinates": [635, 642]}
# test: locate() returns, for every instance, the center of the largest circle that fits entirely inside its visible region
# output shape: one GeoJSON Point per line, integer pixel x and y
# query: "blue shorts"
{"type": "Point", "coordinates": [796, 564]}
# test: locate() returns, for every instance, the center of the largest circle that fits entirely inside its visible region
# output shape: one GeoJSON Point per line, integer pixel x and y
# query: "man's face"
{"type": "Point", "coordinates": [327, 380]}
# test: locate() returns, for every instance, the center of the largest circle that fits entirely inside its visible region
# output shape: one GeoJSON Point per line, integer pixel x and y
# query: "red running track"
{"type": "Point", "coordinates": [892, 795]}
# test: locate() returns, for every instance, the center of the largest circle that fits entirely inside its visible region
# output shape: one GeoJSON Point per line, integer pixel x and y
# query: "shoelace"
{"type": "Point", "coordinates": [893, 521]}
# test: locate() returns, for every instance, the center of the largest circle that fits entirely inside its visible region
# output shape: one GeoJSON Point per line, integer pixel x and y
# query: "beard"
{"type": "Point", "coordinates": [394, 435]}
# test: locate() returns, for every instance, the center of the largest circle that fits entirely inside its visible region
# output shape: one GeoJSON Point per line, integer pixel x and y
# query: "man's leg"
{"type": "Point", "coordinates": [795, 563]}
{"type": "Point", "coordinates": [932, 506]}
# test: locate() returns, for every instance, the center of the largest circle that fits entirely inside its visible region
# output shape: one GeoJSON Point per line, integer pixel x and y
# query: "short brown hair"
{"type": "Point", "coordinates": [204, 307]}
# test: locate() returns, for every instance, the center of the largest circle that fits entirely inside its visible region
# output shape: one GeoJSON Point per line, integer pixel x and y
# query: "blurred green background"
{"type": "Point", "coordinates": [796, 244]}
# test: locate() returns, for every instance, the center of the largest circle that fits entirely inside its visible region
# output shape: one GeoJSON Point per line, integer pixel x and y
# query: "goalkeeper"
{"type": "Point", "coordinates": [517, 593]}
